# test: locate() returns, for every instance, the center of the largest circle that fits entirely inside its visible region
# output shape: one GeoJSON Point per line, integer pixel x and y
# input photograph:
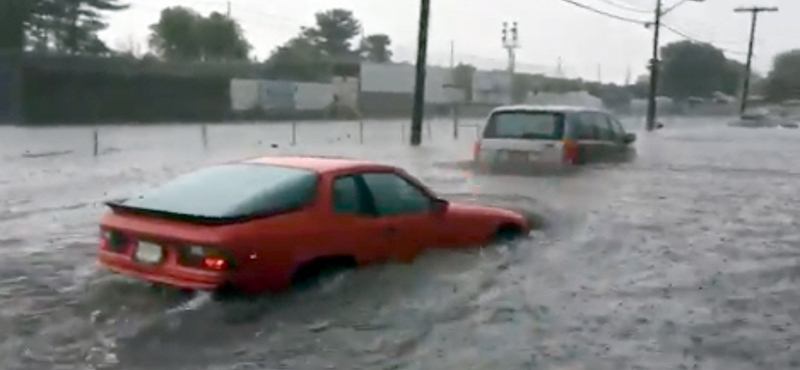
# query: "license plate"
{"type": "Point", "coordinates": [149, 253]}
{"type": "Point", "coordinates": [519, 156]}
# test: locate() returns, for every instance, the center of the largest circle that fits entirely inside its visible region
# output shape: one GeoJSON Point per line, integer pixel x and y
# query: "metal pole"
{"type": "Point", "coordinates": [361, 131]}
{"type": "Point", "coordinates": [453, 82]}
{"type": "Point", "coordinates": [654, 69]}
{"type": "Point", "coordinates": [96, 141]}
{"type": "Point", "coordinates": [419, 84]}
{"type": "Point", "coordinates": [294, 133]}
{"type": "Point", "coordinates": [204, 133]}
{"type": "Point", "coordinates": [746, 87]}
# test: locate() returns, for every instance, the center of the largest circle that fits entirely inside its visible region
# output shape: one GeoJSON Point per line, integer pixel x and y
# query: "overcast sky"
{"type": "Point", "coordinates": [590, 45]}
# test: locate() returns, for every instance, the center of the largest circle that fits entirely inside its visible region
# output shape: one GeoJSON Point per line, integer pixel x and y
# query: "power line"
{"type": "Point", "coordinates": [690, 38]}
{"type": "Point", "coordinates": [601, 12]}
{"type": "Point", "coordinates": [626, 7]}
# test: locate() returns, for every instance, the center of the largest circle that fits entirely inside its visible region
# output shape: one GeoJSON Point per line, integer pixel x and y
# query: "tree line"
{"type": "Point", "coordinates": [332, 46]}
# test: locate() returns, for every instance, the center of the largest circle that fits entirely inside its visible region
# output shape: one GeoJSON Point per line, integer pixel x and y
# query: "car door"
{"type": "Point", "coordinates": [618, 146]}
{"type": "Point", "coordinates": [586, 135]}
{"type": "Point", "coordinates": [407, 213]}
{"type": "Point", "coordinates": [356, 229]}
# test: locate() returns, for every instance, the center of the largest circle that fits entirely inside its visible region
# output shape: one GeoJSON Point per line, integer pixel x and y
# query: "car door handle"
{"type": "Point", "coordinates": [390, 230]}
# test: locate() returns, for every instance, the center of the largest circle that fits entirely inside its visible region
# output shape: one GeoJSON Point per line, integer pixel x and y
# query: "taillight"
{"type": "Point", "coordinates": [571, 152]}
{"type": "Point", "coordinates": [114, 241]}
{"type": "Point", "coordinates": [206, 258]}
{"type": "Point", "coordinates": [476, 150]}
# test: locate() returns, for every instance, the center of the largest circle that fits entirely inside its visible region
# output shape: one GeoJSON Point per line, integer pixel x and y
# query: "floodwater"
{"type": "Point", "coordinates": [684, 258]}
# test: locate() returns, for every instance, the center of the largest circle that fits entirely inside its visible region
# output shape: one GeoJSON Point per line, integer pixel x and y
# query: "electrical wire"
{"type": "Point", "coordinates": [626, 7]}
{"type": "Point", "coordinates": [690, 38]}
{"type": "Point", "coordinates": [607, 14]}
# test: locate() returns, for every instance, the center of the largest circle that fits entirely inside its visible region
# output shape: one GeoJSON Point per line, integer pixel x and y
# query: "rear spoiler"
{"type": "Point", "coordinates": [118, 207]}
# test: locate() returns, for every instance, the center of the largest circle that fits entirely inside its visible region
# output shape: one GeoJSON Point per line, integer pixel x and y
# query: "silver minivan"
{"type": "Point", "coordinates": [551, 135]}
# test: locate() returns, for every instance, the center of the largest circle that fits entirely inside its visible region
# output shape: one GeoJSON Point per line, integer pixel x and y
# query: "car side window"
{"type": "Point", "coordinates": [581, 126]}
{"type": "Point", "coordinates": [394, 196]}
{"type": "Point", "coordinates": [346, 196]}
{"type": "Point", "coordinates": [603, 127]}
{"type": "Point", "coordinates": [617, 126]}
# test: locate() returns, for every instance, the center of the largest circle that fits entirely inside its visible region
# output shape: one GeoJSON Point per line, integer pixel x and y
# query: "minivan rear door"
{"type": "Point", "coordinates": [523, 137]}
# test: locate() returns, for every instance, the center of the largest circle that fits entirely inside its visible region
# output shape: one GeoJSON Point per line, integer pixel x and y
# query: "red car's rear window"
{"type": "Point", "coordinates": [230, 191]}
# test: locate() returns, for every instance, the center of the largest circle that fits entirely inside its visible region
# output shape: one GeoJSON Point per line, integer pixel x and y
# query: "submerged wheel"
{"type": "Point", "coordinates": [313, 272]}
{"type": "Point", "coordinates": [508, 232]}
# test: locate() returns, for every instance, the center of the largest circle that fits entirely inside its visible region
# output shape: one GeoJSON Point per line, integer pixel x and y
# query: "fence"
{"type": "Point", "coordinates": [309, 136]}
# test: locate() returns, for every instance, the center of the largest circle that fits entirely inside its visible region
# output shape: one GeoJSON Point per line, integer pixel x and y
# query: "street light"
{"type": "Point", "coordinates": [654, 68]}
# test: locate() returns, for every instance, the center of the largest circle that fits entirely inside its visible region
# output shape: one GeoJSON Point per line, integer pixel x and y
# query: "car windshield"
{"type": "Point", "coordinates": [525, 125]}
{"type": "Point", "coordinates": [230, 191]}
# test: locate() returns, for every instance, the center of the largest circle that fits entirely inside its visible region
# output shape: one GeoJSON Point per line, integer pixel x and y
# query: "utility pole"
{"type": "Point", "coordinates": [599, 73]}
{"type": "Point", "coordinates": [654, 69]}
{"type": "Point", "coordinates": [229, 9]}
{"type": "Point", "coordinates": [654, 63]}
{"type": "Point", "coordinates": [511, 44]}
{"type": "Point", "coordinates": [419, 83]}
{"type": "Point", "coordinates": [754, 10]}
{"type": "Point", "coordinates": [452, 80]}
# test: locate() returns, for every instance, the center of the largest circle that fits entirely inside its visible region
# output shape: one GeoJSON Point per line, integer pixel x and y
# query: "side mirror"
{"type": "Point", "coordinates": [440, 206]}
{"type": "Point", "coordinates": [629, 138]}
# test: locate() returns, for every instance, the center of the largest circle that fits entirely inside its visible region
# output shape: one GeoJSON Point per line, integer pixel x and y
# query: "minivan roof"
{"type": "Point", "coordinates": [545, 108]}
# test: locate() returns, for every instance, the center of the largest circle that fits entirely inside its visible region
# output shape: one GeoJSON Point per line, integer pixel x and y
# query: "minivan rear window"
{"type": "Point", "coordinates": [525, 125]}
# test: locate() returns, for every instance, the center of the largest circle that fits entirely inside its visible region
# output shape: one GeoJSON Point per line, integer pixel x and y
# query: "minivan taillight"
{"type": "Point", "coordinates": [571, 152]}
{"type": "Point", "coordinates": [476, 150]}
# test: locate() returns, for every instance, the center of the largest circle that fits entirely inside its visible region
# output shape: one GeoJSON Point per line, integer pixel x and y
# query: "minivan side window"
{"type": "Point", "coordinates": [617, 126]}
{"type": "Point", "coordinates": [603, 126]}
{"type": "Point", "coordinates": [581, 127]}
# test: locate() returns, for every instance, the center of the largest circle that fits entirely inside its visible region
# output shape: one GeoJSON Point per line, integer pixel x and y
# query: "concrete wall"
{"type": "Point", "coordinates": [491, 87]}
{"type": "Point", "coordinates": [244, 94]}
{"type": "Point", "coordinates": [313, 96]}
{"type": "Point", "coordinates": [276, 95]}
{"type": "Point", "coordinates": [393, 78]}
{"type": "Point", "coordinates": [574, 98]}
{"type": "Point", "coordinates": [346, 91]}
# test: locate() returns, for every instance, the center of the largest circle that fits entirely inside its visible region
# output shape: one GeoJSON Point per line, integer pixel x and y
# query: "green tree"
{"type": "Point", "coordinates": [334, 32]}
{"type": "Point", "coordinates": [692, 69]}
{"type": "Point", "coordinates": [14, 15]}
{"type": "Point", "coordinates": [81, 23]}
{"type": "Point", "coordinates": [375, 48]}
{"type": "Point", "coordinates": [222, 39]}
{"type": "Point", "coordinates": [463, 76]}
{"type": "Point", "coordinates": [175, 36]}
{"type": "Point", "coordinates": [182, 34]}
{"type": "Point", "coordinates": [783, 82]}
{"type": "Point", "coordinates": [299, 59]}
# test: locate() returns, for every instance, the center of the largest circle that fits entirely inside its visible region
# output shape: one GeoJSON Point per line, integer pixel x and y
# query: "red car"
{"type": "Point", "coordinates": [264, 224]}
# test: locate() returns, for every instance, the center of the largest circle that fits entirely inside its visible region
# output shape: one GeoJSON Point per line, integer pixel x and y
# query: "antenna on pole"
{"type": "Point", "coordinates": [511, 43]}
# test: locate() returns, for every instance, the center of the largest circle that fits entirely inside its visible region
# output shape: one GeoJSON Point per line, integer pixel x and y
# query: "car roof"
{"type": "Point", "coordinates": [546, 108]}
{"type": "Point", "coordinates": [318, 163]}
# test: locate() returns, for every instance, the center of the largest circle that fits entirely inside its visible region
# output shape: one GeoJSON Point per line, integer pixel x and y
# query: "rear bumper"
{"type": "Point", "coordinates": [166, 273]}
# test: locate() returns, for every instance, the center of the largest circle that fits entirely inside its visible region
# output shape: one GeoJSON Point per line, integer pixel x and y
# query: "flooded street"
{"type": "Point", "coordinates": [684, 258]}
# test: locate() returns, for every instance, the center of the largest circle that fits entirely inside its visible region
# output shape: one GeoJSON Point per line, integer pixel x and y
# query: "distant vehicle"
{"type": "Point", "coordinates": [266, 223]}
{"type": "Point", "coordinates": [550, 135]}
